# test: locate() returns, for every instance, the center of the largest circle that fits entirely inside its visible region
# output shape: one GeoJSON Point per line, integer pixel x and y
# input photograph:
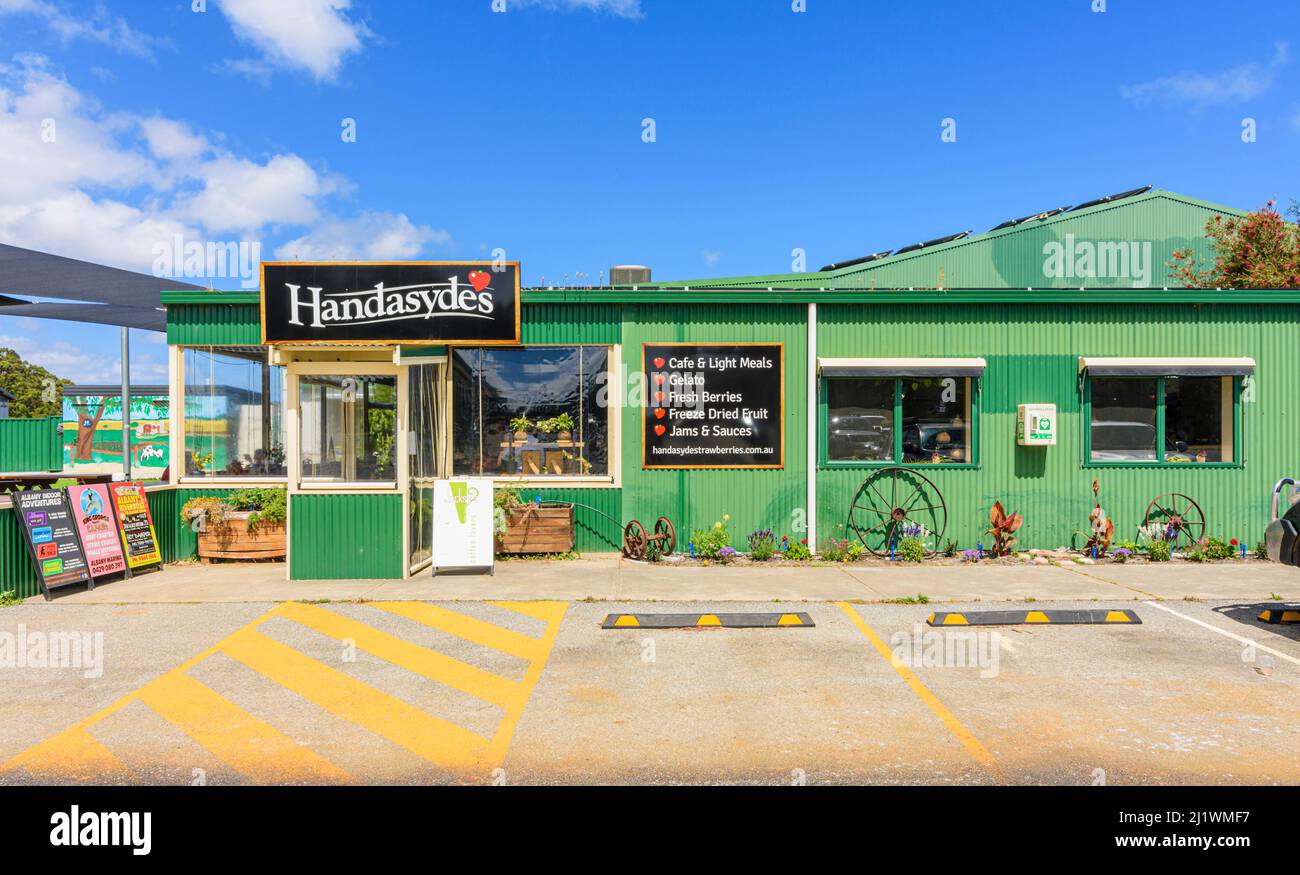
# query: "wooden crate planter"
{"type": "Point", "coordinates": [233, 540]}
{"type": "Point", "coordinates": [537, 530]}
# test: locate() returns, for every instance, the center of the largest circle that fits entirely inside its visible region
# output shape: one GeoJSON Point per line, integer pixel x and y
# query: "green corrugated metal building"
{"type": "Point", "coordinates": [917, 360]}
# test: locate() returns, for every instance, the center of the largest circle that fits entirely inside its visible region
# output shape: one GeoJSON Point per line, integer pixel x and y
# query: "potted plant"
{"type": "Point", "coordinates": [245, 524]}
{"type": "Point", "coordinates": [561, 426]}
{"type": "Point", "coordinates": [521, 425]}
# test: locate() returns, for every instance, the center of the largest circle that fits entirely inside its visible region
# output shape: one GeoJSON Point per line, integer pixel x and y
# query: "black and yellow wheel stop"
{"type": "Point", "coordinates": [1033, 618]}
{"type": "Point", "coordinates": [706, 621]}
{"type": "Point", "coordinates": [1280, 614]}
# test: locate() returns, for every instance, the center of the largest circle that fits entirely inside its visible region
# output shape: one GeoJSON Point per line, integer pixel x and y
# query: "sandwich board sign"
{"type": "Point", "coordinates": [463, 532]}
{"type": "Point", "coordinates": [52, 540]}
{"type": "Point", "coordinates": [92, 510]}
{"type": "Point", "coordinates": [135, 525]}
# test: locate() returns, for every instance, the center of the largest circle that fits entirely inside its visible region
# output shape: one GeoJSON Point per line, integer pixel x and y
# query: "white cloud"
{"type": "Point", "coordinates": [711, 256]}
{"type": "Point", "coordinates": [371, 236]}
{"type": "Point", "coordinates": [95, 25]}
{"type": "Point", "coordinates": [311, 35]}
{"type": "Point", "coordinates": [621, 8]}
{"type": "Point", "coordinates": [242, 195]}
{"type": "Point", "coordinates": [170, 140]}
{"type": "Point", "coordinates": [1239, 83]}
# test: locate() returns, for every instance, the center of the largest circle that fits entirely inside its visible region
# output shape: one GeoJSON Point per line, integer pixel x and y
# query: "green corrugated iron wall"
{"type": "Point", "coordinates": [695, 499]}
{"type": "Point", "coordinates": [345, 537]}
{"type": "Point", "coordinates": [593, 532]}
{"type": "Point", "coordinates": [16, 573]}
{"type": "Point", "coordinates": [214, 324]}
{"type": "Point", "coordinates": [29, 446]}
{"type": "Point", "coordinates": [1032, 352]}
{"type": "Point", "coordinates": [1013, 257]}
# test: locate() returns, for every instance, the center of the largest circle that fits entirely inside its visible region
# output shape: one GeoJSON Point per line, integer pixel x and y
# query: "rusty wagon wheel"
{"type": "Point", "coordinates": [896, 503]}
{"type": "Point", "coordinates": [635, 540]}
{"type": "Point", "coordinates": [1182, 519]}
{"type": "Point", "coordinates": [667, 535]}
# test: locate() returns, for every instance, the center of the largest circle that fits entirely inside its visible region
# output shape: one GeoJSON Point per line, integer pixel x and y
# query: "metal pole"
{"type": "Point", "coordinates": [126, 402]}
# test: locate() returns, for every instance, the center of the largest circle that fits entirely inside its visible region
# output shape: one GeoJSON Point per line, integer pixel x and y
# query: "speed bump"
{"type": "Point", "coordinates": [1033, 618]}
{"type": "Point", "coordinates": [706, 621]}
{"type": "Point", "coordinates": [1280, 614]}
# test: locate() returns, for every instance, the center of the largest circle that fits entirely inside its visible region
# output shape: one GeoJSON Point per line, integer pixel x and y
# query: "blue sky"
{"type": "Point", "coordinates": [476, 129]}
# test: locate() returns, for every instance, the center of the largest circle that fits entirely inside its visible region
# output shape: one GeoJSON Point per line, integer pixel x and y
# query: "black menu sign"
{"type": "Point", "coordinates": [713, 406]}
{"type": "Point", "coordinates": [408, 302]}
{"type": "Point", "coordinates": [52, 541]}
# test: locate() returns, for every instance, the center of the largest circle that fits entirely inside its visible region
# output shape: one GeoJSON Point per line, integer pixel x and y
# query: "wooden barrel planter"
{"type": "Point", "coordinates": [537, 530]}
{"type": "Point", "coordinates": [233, 540]}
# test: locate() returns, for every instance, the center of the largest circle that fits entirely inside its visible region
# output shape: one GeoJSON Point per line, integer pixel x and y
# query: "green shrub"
{"type": "Point", "coordinates": [1158, 551]}
{"type": "Point", "coordinates": [1196, 554]}
{"type": "Point", "coordinates": [835, 550]}
{"type": "Point", "coordinates": [950, 549]}
{"type": "Point", "coordinates": [266, 503]}
{"type": "Point", "coordinates": [797, 552]}
{"type": "Point", "coordinates": [1216, 549]}
{"type": "Point", "coordinates": [911, 550]}
{"type": "Point", "coordinates": [762, 545]}
{"type": "Point", "coordinates": [709, 542]}
{"type": "Point", "coordinates": [1261, 551]}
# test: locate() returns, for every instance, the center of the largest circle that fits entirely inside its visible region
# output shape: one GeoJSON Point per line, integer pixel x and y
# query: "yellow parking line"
{"type": "Point", "coordinates": [962, 734]}
{"type": "Point", "coordinates": [251, 747]}
{"type": "Point", "coordinates": [467, 627]}
{"type": "Point", "coordinates": [72, 756]}
{"type": "Point", "coordinates": [435, 666]}
{"type": "Point", "coordinates": [506, 729]}
{"type": "Point", "coordinates": [439, 741]}
{"type": "Point", "coordinates": [548, 612]}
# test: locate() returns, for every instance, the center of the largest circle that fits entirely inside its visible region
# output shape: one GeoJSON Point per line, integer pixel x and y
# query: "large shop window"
{"type": "Point", "coordinates": [234, 413]}
{"type": "Point", "coordinates": [924, 418]}
{"type": "Point", "coordinates": [1153, 420]}
{"type": "Point", "coordinates": [534, 412]}
{"type": "Point", "coordinates": [348, 428]}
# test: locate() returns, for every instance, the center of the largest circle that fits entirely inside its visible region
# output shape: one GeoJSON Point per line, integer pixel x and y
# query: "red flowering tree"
{"type": "Point", "coordinates": [1260, 250]}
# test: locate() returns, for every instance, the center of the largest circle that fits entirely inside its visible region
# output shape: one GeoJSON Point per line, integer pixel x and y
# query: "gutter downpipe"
{"type": "Point", "coordinates": [812, 427]}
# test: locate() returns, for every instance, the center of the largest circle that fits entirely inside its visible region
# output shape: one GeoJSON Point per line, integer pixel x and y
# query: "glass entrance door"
{"type": "Point", "coordinates": [427, 455]}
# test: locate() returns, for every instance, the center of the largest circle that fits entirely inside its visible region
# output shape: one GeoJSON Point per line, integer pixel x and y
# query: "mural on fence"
{"type": "Point", "coordinates": [92, 431]}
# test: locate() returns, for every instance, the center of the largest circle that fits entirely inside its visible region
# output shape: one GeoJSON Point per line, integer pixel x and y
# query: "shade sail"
{"type": "Point", "coordinates": [1165, 367]}
{"type": "Point", "coordinates": [146, 318]}
{"type": "Point", "coordinates": [901, 367]}
{"type": "Point", "coordinates": [42, 275]}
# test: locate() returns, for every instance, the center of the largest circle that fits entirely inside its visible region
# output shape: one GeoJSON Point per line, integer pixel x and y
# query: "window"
{"type": "Point", "coordinates": [234, 413]}
{"type": "Point", "coordinates": [924, 420]}
{"type": "Point", "coordinates": [1154, 420]}
{"type": "Point", "coordinates": [348, 430]}
{"type": "Point", "coordinates": [534, 412]}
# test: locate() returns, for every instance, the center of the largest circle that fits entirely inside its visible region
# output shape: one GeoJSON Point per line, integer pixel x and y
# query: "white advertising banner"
{"type": "Point", "coordinates": [463, 535]}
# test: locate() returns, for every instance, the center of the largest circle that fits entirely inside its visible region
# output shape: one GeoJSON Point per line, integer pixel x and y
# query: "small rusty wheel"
{"type": "Point", "coordinates": [668, 535]}
{"type": "Point", "coordinates": [634, 540]}
{"type": "Point", "coordinates": [1182, 519]}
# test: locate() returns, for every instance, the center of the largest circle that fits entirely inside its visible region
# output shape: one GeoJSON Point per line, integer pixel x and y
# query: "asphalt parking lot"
{"type": "Point", "coordinates": [539, 693]}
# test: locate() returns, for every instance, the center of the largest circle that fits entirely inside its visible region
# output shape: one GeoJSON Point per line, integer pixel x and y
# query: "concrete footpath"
{"type": "Point", "coordinates": [611, 578]}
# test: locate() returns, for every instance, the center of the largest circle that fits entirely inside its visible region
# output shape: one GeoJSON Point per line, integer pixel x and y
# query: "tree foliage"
{"type": "Point", "coordinates": [1260, 250]}
{"type": "Point", "coordinates": [36, 391]}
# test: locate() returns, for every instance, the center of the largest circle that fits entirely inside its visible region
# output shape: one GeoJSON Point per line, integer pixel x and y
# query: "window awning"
{"type": "Point", "coordinates": [902, 367]}
{"type": "Point", "coordinates": [1166, 367]}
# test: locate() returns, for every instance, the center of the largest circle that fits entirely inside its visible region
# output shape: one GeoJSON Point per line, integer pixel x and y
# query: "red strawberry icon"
{"type": "Point", "coordinates": [659, 397]}
{"type": "Point", "coordinates": [659, 379]}
{"type": "Point", "coordinates": [479, 279]}
{"type": "Point", "coordinates": [659, 430]}
{"type": "Point", "coordinates": [659, 362]}
{"type": "Point", "coordinates": [660, 413]}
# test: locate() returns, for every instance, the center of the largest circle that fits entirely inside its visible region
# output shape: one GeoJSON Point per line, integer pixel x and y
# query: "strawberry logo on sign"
{"type": "Point", "coordinates": [659, 362]}
{"type": "Point", "coordinates": [660, 413]}
{"type": "Point", "coordinates": [659, 430]}
{"type": "Point", "coordinates": [479, 279]}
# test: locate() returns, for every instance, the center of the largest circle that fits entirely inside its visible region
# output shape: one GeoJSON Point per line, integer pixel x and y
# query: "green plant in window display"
{"type": "Point", "coordinates": [521, 425]}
